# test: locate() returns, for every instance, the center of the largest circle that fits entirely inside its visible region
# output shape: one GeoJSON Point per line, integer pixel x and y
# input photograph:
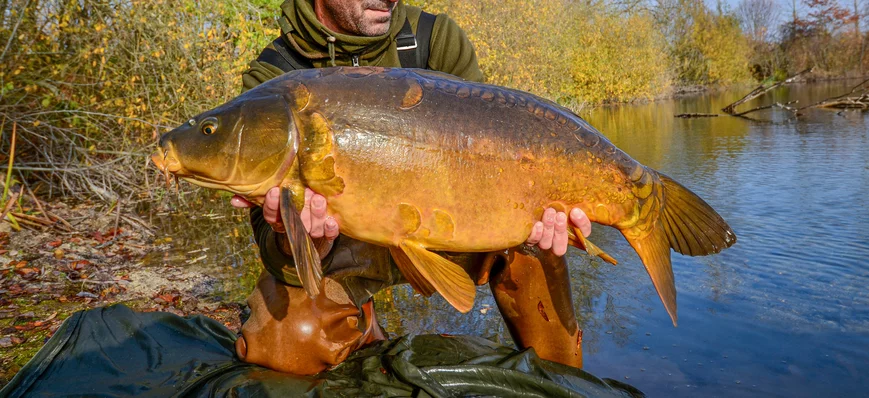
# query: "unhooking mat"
{"type": "Point", "coordinates": [114, 352]}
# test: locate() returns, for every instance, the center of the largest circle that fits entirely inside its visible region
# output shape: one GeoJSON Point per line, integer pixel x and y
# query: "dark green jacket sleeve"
{"type": "Point", "coordinates": [258, 73]}
{"type": "Point", "coordinates": [452, 52]}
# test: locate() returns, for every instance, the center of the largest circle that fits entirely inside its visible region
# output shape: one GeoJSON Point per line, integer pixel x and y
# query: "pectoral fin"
{"type": "Point", "coordinates": [445, 276]}
{"type": "Point", "coordinates": [578, 239]}
{"type": "Point", "coordinates": [304, 251]}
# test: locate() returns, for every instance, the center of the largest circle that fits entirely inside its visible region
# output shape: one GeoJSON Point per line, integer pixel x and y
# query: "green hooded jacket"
{"type": "Point", "coordinates": [362, 268]}
{"type": "Point", "coordinates": [450, 50]}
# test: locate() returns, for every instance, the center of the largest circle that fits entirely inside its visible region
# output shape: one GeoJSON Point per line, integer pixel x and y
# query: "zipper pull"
{"type": "Point", "coordinates": [355, 60]}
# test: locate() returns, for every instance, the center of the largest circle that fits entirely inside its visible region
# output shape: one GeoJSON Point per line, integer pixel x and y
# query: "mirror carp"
{"type": "Point", "coordinates": [421, 161]}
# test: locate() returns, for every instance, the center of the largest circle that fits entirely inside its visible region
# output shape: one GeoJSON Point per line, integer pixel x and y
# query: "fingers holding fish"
{"type": "Point", "coordinates": [580, 219]}
{"type": "Point", "coordinates": [536, 234]}
{"type": "Point", "coordinates": [272, 210]}
{"type": "Point", "coordinates": [314, 215]}
{"type": "Point", "coordinates": [548, 229]}
{"type": "Point", "coordinates": [551, 232]}
{"type": "Point", "coordinates": [330, 228]}
{"type": "Point", "coordinates": [240, 202]}
{"type": "Point", "coordinates": [559, 236]}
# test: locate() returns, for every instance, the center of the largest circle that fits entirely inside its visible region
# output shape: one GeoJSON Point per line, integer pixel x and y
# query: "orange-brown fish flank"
{"type": "Point", "coordinates": [408, 218]}
{"type": "Point", "coordinates": [413, 96]}
{"type": "Point", "coordinates": [316, 158]}
{"type": "Point", "coordinates": [318, 138]}
{"type": "Point", "coordinates": [643, 187]}
{"type": "Point", "coordinates": [442, 225]}
{"type": "Point", "coordinates": [302, 96]}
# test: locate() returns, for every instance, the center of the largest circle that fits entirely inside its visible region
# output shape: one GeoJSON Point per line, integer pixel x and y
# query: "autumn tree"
{"type": "Point", "coordinates": [822, 38]}
{"type": "Point", "coordinates": [758, 19]}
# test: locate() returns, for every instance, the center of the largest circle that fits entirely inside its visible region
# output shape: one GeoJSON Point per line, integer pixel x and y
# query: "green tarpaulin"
{"type": "Point", "coordinates": [113, 352]}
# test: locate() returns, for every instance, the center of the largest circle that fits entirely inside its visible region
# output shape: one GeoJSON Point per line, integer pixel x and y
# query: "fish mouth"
{"type": "Point", "coordinates": [166, 162]}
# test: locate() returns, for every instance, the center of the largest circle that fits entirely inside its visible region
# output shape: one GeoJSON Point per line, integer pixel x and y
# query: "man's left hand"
{"type": "Point", "coordinates": [551, 232]}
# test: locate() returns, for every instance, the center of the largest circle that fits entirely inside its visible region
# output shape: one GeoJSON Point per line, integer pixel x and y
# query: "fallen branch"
{"type": "Point", "coordinates": [786, 106]}
{"type": "Point", "coordinates": [27, 222]}
{"type": "Point", "coordinates": [843, 101]}
{"type": "Point", "coordinates": [37, 220]}
{"type": "Point", "coordinates": [62, 221]}
{"type": "Point", "coordinates": [36, 201]}
{"type": "Point", "coordinates": [9, 205]}
{"type": "Point", "coordinates": [695, 115]}
{"type": "Point", "coordinates": [760, 90]}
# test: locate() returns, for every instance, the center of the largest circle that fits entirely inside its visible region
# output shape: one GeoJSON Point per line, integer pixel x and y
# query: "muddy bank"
{"type": "Point", "coordinates": [145, 259]}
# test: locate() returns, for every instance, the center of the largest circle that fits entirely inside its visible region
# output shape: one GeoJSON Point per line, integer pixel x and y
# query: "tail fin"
{"type": "Point", "coordinates": [654, 251]}
{"type": "Point", "coordinates": [692, 226]}
{"type": "Point", "coordinates": [688, 225]}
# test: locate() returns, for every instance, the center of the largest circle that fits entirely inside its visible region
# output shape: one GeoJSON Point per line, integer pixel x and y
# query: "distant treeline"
{"type": "Point", "coordinates": [614, 51]}
{"type": "Point", "coordinates": [87, 80]}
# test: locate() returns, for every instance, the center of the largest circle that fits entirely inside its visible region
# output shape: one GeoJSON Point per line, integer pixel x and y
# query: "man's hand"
{"type": "Point", "coordinates": [551, 233]}
{"type": "Point", "coordinates": [322, 228]}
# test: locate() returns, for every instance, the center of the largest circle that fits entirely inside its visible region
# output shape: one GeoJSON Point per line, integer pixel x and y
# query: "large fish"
{"type": "Point", "coordinates": [420, 161]}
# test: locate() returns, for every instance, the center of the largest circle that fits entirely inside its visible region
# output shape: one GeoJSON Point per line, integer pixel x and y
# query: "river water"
{"type": "Point", "coordinates": [785, 312]}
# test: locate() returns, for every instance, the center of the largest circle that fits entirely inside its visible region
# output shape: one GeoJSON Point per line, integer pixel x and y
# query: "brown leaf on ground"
{"type": "Point", "coordinates": [166, 297]}
{"type": "Point", "coordinates": [77, 265]}
{"type": "Point", "coordinates": [27, 273]}
{"type": "Point", "coordinates": [55, 243]}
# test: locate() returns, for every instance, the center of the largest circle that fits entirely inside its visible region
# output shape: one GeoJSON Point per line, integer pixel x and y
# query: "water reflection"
{"type": "Point", "coordinates": [785, 312]}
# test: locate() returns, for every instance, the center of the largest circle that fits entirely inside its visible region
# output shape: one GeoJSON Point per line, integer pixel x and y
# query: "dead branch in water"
{"type": "Point", "coordinates": [695, 115]}
{"type": "Point", "coordinates": [846, 101]}
{"type": "Point", "coordinates": [786, 106]}
{"type": "Point", "coordinates": [761, 90]}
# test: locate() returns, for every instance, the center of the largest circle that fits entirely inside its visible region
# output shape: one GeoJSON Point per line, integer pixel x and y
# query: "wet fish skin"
{"type": "Point", "coordinates": [419, 161]}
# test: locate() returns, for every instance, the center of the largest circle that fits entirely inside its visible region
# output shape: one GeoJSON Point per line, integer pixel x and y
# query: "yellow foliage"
{"type": "Point", "coordinates": [618, 58]}
{"type": "Point", "coordinates": [568, 51]}
{"type": "Point", "coordinates": [714, 50]}
{"type": "Point", "coordinates": [93, 61]}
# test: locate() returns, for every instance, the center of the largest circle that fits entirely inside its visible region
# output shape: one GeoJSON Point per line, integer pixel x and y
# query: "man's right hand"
{"type": "Point", "coordinates": [322, 227]}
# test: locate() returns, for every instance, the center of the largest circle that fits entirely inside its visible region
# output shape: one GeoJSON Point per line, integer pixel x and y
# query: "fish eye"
{"type": "Point", "coordinates": [209, 126]}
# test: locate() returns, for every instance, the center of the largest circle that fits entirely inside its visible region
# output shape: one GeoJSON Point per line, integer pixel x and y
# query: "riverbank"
{"type": "Point", "coordinates": [48, 273]}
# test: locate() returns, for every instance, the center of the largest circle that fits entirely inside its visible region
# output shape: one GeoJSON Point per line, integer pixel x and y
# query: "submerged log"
{"type": "Point", "coordinates": [694, 115]}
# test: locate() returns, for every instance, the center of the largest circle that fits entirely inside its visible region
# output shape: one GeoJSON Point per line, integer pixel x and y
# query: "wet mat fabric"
{"type": "Point", "coordinates": [116, 352]}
